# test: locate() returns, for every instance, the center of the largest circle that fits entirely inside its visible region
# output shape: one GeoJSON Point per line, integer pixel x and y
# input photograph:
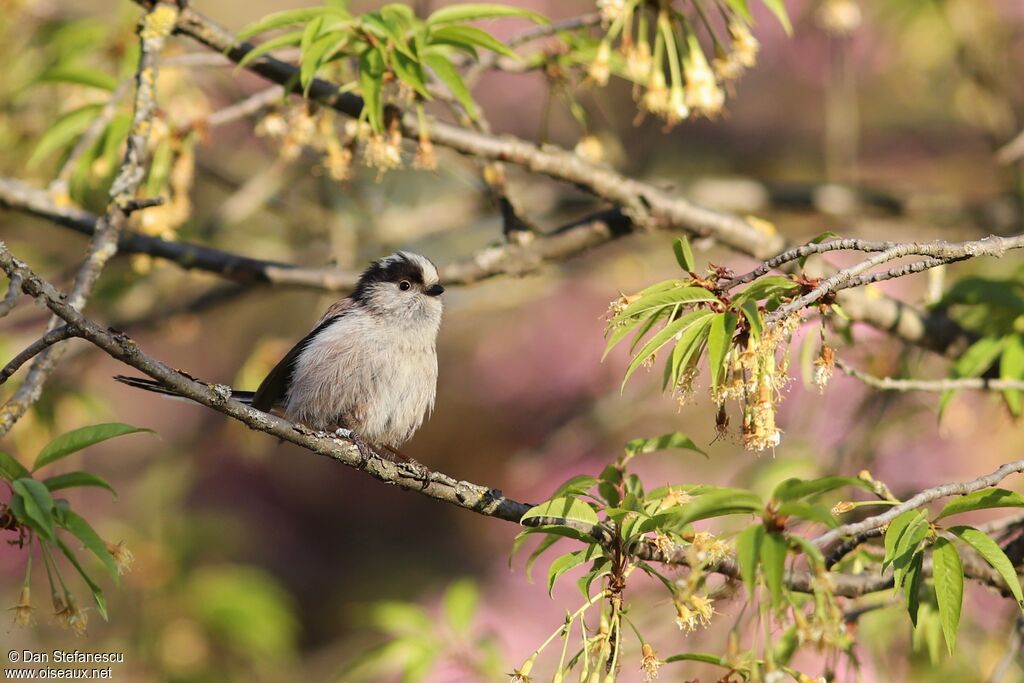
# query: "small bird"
{"type": "Point", "coordinates": [370, 364]}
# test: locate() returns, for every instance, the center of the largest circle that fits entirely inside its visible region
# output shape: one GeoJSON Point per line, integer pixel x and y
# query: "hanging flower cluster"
{"type": "Point", "coordinates": [656, 46]}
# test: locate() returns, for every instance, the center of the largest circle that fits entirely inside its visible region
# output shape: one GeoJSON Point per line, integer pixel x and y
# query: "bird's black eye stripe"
{"type": "Point", "coordinates": [404, 285]}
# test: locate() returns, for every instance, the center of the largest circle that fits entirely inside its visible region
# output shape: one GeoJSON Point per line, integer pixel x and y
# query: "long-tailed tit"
{"type": "Point", "coordinates": [369, 365]}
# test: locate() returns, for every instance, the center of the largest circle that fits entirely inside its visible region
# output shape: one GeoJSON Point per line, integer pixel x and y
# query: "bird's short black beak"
{"type": "Point", "coordinates": [434, 290]}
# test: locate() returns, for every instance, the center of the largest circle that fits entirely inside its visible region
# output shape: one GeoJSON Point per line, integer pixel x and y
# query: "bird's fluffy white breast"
{"type": "Point", "coordinates": [375, 376]}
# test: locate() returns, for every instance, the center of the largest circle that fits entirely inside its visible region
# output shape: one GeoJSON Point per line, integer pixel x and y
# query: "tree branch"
{"type": "Point", "coordinates": [950, 384]}
{"type": "Point", "coordinates": [153, 29]}
{"type": "Point", "coordinates": [480, 499]}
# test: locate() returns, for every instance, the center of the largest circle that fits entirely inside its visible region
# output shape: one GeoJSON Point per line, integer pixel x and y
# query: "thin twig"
{"type": "Point", "coordinates": [939, 385]}
{"type": "Point", "coordinates": [10, 300]}
{"type": "Point", "coordinates": [153, 29]}
{"type": "Point", "coordinates": [920, 500]}
{"type": "Point", "coordinates": [57, 334]}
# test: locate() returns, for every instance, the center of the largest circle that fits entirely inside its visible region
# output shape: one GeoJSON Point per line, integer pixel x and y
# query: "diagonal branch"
{"type": "Point", "coordinates": [480, 499]}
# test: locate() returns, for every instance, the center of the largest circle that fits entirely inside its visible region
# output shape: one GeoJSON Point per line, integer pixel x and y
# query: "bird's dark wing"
{"type": "Point", "coordinates": [273, 389]}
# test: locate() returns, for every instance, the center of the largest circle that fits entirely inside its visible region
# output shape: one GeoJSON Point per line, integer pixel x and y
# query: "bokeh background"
{"type": "Point", "coordinates": [257, 561]}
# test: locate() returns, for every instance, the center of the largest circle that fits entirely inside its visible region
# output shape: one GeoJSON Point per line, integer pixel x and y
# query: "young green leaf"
{"type": "Point", "coordinates": [661, 443]}
{"type": "Point", "coordinates": [720, 334]}
{"type": "Point", "coordinates": [912, 589]}
{"type": "Point", "coordinates": [79, 75]}
{"type": "Point", "coordinates": [38, 504]}
{"type": "Point", "coordinates": [948, 574]}
{"type": "Point", "coordinates": [779, 10]}
{"type": "Point", "coordinates": [468, 38]}
{"type": "Point", "coordinates": [1011, 367]}
{"type": "Point", "coordinates": [895, 531]}
{"type": "Point", "coordinates": [907, 547]}
{"type": "Point", "coordinates": [684, 254]}
{"type": "Point", "coordinates": [741, 8]}
{"type": "Point", "coordinates": [748, 552]}
{"type": "Point", "coordinates": [84, 532]}
{"type": "Point", "coordinates": [677, 328]}
{"type": "Point", "coordinates": [994, 555]}
{"type": "Point", "coordinates": [97, 592]}
{"type": "Point", "coordinates": [649, 303]}
{"type": "Point", "coordinates": [808, 512]}
{"type": "Point", "coordinates": [564, 563]}
{"type": "Point", "coordinates": [795, 489]}
{"type": "Point", "coordinates": [11, 469]}
{"type": "Point", "coordinates": [773, 563]}
{"type": "Point", "coordinates": [456, 14]}
{"type": "Point", "coordinates": [371, 75]}
{"type": "Point", "coordinates": [65, 129]}
{"type": "Point", "coordinates": [717, 504]}
{"type": "Point", "coordinates": [75, 479]}
{"type": "Point", "coordinates": [982, 500]}
{"type": "Point", "coordinates": [77, 439]}
{"type": "Point", "coordinates": [541, 548]}
{"type": "Point", "coordinates": [753, 316]}
{"type": "Point", "coordinates": [979, 357]}
{"type": "Point", "coordinates": [289, 18]}
{"type": "Point", "coordinates": [290, 39]}
{"type": "Point", "coordinates": [567, 508]}
{"type": "Point", "coordinates": [449, 75]}
{"type": "Point", "coordinates": [770, 285]}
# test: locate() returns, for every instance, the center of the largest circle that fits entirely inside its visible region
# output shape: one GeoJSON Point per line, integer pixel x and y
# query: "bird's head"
{"type": "Point", "coordinates": [403, 285]}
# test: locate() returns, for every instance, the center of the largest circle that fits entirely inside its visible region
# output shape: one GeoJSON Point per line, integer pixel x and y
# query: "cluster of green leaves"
{"type": "Point", "coordinates": [694, 319]}
{"type": "Point", "coordinates": [418, 640]}
{"type": "Point", "coordinates": [993, 309]}
{"type": "Point", "coordinates": [46, 518]}
{"type": "Point", "coordinates": [935, 606]}
{"type": "Point", "coordinates": [390, 44]}
{"type": "Point", "coordinates": [77, 56]}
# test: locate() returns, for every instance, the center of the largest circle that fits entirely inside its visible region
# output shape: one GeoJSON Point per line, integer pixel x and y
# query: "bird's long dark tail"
{"type": "Point", "coordinates": [157, 388]}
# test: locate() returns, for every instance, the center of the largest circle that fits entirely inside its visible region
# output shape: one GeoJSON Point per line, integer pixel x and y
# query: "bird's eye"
{"type": "Point", "coordinates": [404, 285]}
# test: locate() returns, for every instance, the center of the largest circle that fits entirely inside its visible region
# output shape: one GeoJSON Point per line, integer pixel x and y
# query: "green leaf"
{"type": "Point", "coordinates": [80, 75]}
{"type": "Point", "coordinates": [795, 489]}
{"type": "Point", "coordinates": [289, 39]}
{"type": "Point", "coordinates": [948, 574]}
{"type": "Point", "coordinates": [449, 75]}
{"type": "Point", "coordinates": [912, 589]}
{"type": "Point", "coordinates": [411, 73]}
{"type": "Point", "coordinates": [472, 11]}
{"type": "Point", "coordinates": [541, 548]}
{"type": "Point", "coordinates": [688, 349]}
{"type": "Point", "coordinates": [567, 508]}
{"type": "Point", "coordinates": [1011, 367]}
{"type": "Point", "coordinates": [779, 10]}
{"type": "Point", "coordinates": [982, 500]}
{"type": "Point", "coordinates": [11, 469]}
{"type": "Point", "coordinates": [38, 504]}
{"type": "Point", "coordinates": [748, 552]}
{"type": "Point", "coordinates": [575, 486]}
{"type": "Point", "coordinates": [767, 286]}
{"type": "Point", "coordinates": [720, 334]}
{"type": "Point", "coordinates": [773, 562]}
{"type": "Point", "coordinates": [684, 254]}
{"type": "Point", "coordinates": [677, 328]}
{"type": "Point", "coordinates": [717, 504]}
{"type": "Point", "coordinates": [741, 8]}
{"type": "Point", "coordinates": [661, 443]}
{"type": "Point", "coordinates": [753, 316]}
{"type": "Point", "coordinates": [828, 234]}
{"type": "Point", "coordinates": [649, 303]}
{"type": "Point", "coordinates": [894, 532]}
{"type": "Point", "coordinates": [289, 18]}
{"type": "Point", "coordinates": [908, 547]}
{"type": "Point", "coordinates": [785, 646]}
{"type": "Point", "coordinates": [75, 479]}
{"type": "Point", "coordinates": [459, 603]}
{"type": "Point", "coordinates": [82, 530]}
{"type": "Point", "coordinates": [979, 357]}
{"type": "Point", "coordinates": [371, 75]}
{"type": "Point", "coordinates": [468, 38]}
{"type": "Point", "coordinates": [560, 565]}
{"type": "Point", "coordinates": [994, 555]}
{"type": "Point", "coordinates": [97, 592]}
{"type": "Point", "coordinates": [77, 439]}
{"type": "Point", "coordinates": [66, 128]}
{"type": "Point", "coordinates": [808, 512]}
